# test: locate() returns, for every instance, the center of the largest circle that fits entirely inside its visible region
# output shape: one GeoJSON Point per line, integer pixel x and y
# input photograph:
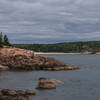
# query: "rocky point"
{"type": "Point", "coordinates": [12, 58]}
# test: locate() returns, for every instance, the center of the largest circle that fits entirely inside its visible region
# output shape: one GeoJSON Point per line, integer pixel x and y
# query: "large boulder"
{"type": "Point", "coordinates": [45, 84]}
{"type": "Point", "coordinates": [9, 92]}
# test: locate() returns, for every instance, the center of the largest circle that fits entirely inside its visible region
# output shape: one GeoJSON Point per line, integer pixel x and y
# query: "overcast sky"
{"type": "Point", "coordinates": [50, 21]}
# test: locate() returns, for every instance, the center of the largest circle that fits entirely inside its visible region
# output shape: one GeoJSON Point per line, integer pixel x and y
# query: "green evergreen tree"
{"type": "Point", "coordinates": [6, 41]}
{"type": "Point", "coordinates": [1, 44]}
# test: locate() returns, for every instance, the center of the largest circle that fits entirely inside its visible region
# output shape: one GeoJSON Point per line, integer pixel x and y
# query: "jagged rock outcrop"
{"type": "Point", "coordinates": [8, 94]}
{"type": "Point", "coordinates": [16, 58]}
{"type": "Point", "coordinates": [43, 83]}
{"type": "Point", "coordinates": [20, 59]}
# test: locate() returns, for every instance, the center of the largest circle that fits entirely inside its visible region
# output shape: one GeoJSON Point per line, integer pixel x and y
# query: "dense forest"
{"type": "Point", "coordinates": [4, 40]}
{"type": "Point", "coordinates": [91, 46]}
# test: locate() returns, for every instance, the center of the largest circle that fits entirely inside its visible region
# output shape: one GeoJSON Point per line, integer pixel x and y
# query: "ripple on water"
{"type": "Point", "coordinates": [83, 84]}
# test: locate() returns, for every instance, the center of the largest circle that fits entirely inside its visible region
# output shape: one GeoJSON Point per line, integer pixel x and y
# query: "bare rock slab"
{"type": "Point", "coordinates": [20, 59]}
{"type": "Point", "coordinates": [44, 84]}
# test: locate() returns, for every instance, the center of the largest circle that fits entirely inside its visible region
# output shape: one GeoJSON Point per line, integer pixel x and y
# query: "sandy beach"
{"type": "Point", "coordinates": [63, 53]}
{"type": "Point", "coordinates": [54, 53]}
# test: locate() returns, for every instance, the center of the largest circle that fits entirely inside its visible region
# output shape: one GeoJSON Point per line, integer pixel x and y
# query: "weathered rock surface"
{"type": "Point", "coordinates": [11, 51]}
{"type": "Point", "coordinates": [55, 81]}
{"type": "Point", "coordinates": [20, 59]}
{"type": "Point", "coordinates": [15, 98]}
{"type": "Point", "coordinates": [3, 68]}
{"type": "Point", "coordinates": [45, 84]}
{"type": "Point", "coordinates": [20, 92]}
{"type": "Point", "coordinates": [7, 94]}
{"type": "Point", "coordinates": [16, 58]}
{"type": "Point", "coordinates": [30, 92]}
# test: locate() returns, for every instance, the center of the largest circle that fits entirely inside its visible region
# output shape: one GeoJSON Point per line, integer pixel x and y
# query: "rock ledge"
{"type": "Point", "coordinates": [20, 59]}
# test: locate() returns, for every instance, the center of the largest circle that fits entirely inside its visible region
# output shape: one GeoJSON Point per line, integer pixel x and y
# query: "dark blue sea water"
{"type": "Point", "coordinates": [83, 84]}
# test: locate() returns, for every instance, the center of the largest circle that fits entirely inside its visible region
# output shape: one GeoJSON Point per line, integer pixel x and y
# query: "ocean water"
{"type": "Point", "coordinates": [83, 84]}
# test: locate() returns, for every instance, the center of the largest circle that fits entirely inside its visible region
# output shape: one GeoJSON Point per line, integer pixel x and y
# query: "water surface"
{"type": "Point", "coordinates": [83, 84]}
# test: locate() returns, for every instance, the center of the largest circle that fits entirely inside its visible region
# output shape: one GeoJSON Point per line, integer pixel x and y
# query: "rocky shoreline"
{"type": "Point", "coordinates": [19, 59]}
{"type": "Point", "coordinates": [8, 94]}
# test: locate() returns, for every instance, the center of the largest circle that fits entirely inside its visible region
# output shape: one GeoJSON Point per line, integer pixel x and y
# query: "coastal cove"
{"type": "Point", "coordinates": [80, 84]}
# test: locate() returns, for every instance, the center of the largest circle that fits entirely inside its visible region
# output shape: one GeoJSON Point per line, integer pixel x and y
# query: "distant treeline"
{"type": "Point", "coordinates": [4, 40]}
{"type": "Point", "coordinates": [91, 46]}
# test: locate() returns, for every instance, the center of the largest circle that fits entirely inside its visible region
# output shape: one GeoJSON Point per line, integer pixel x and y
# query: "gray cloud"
{"type": "Point", "coordinates": [45, 21]}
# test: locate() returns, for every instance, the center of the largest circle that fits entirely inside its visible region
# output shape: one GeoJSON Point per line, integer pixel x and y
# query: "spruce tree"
{"type": "Point", "coordinates": [1, 44]}
{"type": "Point", "coordinates": [6, 41]}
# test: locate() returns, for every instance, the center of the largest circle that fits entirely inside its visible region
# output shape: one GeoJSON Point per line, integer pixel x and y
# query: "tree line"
{"type": "Point", "coordinates": [4, 40]}
{"type": "Point", "coordinates": [90, 46]}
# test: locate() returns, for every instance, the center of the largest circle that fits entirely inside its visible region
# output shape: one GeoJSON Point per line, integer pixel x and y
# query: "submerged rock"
{"type": "Point", "coordinates": [55, 81]}
{"type": "Point", "coordinates": [71, 68]}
